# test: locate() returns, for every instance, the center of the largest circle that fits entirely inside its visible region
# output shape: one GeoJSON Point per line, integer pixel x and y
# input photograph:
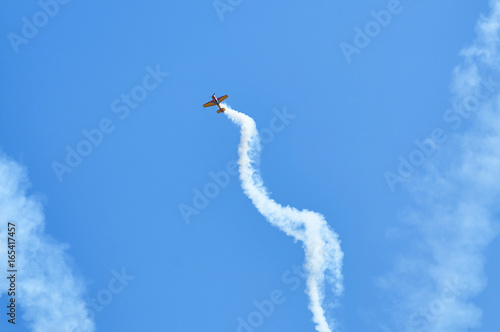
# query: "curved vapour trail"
{"type": "Point", "coordinates": [323, 255]}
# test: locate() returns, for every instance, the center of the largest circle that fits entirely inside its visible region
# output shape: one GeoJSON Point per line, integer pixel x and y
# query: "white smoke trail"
{"type": "Point", "coordinates": [323, 255]}
{"type": "Point", "coordinates": [47, 291]}
{"type": "Point", "coordinates": [458, 203]}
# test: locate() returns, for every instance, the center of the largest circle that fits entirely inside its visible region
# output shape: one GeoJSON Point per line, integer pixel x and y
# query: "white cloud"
{"type": "Point", "coordinates": [457, 204]}
{"type": "Point", "coordinates": [48, 293]}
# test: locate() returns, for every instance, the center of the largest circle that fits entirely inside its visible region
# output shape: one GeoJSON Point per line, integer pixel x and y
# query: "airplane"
{"type": "Point", "coordinates": [216, 101]}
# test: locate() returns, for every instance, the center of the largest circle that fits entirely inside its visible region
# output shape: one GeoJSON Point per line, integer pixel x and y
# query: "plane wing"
{"type": "Point", "coordinates": [210, 103]}
{"type": "Point", "coordinates": [222, 98]}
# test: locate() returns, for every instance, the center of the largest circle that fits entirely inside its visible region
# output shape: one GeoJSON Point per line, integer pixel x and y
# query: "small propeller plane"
{"type": "Point", "coordinates": [216, 101]}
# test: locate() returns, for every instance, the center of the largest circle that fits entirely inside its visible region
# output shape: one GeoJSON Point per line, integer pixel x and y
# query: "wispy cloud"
{"type": "Point", "coordinates": [47, 290]}
{"type": "Point", "coordinates": [323, 255]}
{"type": "Point", "coordinates": [456, 213]}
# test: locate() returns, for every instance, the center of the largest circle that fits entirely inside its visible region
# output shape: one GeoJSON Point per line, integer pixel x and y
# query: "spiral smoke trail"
{"type": "Point", "coordinates": [323, 255]}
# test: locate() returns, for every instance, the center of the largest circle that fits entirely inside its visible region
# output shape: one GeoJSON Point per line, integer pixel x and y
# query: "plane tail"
{"type": "Point", "coordinates": [221, 110]}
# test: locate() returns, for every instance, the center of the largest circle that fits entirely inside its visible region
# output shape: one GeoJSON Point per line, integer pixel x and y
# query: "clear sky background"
{"type": "Point", "coordinates": [119, 208]}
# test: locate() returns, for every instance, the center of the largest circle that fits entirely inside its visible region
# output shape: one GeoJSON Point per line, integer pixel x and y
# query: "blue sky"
{"type": "Point", "coordinates": [118, 211]}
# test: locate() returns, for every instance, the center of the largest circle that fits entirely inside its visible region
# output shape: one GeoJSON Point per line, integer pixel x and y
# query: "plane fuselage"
{"type": "Point", "coordinates": [214, 98]}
